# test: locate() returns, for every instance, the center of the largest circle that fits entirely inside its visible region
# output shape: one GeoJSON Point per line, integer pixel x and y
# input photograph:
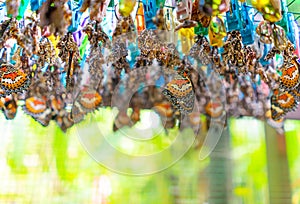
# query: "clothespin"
{"type": "Point", "coordinates": [247, 30]}
{"type": "Point", "coordinates": [287, 22]}
{"type": "Point", "coordinates": [103, 8]}
{"type": "Point", "coordinates": [75, 6]}
{"type": "Point", "coordinates": [160, 3]}
{"type": "Point", "coordinates": [150, 10]}
{"type": "Point", "coordinates": [36, 4]}
{"type": "Point", "coordinates": [168, 9]}
{"type": "Point", "coordinates": [2, 11]}
{"type": "Point", "coordinates": [297, 36]}
{"type": "Point", "coordinates": [233, 17]}
{"type": "Point", "coordinates": [169, 4]}
{"type": "Point", "coordinates": [216, 31]}
{"type": "Point", "coordinates": [213, 7]}
{"type": "Point", "coordinates": [200, 30]}
{"type": "Point", "coordinates": [78, 34]}
{"type": "Point", "coordinates": [126, 7]}
{"type": "Point", "coordinates": [133, 53]}
{"type": "Point", "coordinates": [284, 21]}
{"type": "Point", "coordinates": [22, 8]}
{"type": "Point", "coordinates": [140, 17]}
{"type": "Point", "coordinates": [291, 25]}
{"type": "Point", "coordinates": [109, 23]}
{"type": "Point", "coordinates": [238, 19]}
{"type": "Point", "coordinates": [184, 10]}
{"type": "Point", "coordinates": [186, 36]}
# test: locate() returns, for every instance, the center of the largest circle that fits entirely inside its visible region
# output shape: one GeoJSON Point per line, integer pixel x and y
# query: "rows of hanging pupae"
{"type": "Point", "coordinates": [64, 59]}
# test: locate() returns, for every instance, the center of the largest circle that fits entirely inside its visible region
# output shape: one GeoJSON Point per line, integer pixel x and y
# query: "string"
{"type": "Point", "coordinates": [291, 3]}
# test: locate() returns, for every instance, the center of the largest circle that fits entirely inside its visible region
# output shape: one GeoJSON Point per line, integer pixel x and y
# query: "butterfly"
{"type": "Point", "coordinates": [214, 109]}
{"type": "Point", "coordinates": [58, 110]}
{"type": "Point", "coordinates": [35, 106]}
{"type": "Point", "coordinates": [282, 102]}
{"type": "Point", "coordinates": [38, 109]}
{"type": "Point", "coordinates": [13, 80]}
{"type": "Point", "coordinates": [89, 99]}
{"type": "Point", "coordinates": [180, 92]}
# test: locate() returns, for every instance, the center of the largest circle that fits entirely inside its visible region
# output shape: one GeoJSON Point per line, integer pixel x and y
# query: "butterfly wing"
{"type": "Point", "coordinates": [13, 80]}
{"type": "Point", "coordinates": [89, 99]}
{"type": "Point", "coordinates": [180, 92]}
{"type": "Point", "coordinates": [38, 109]}
{"type": "Point", "coordinates": [10, 107]}
{"type": "Point", "coordinates": [281, 103]}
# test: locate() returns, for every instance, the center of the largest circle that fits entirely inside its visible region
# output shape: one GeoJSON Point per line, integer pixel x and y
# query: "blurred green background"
{"type": "Point", "coordinates": [251, 164]}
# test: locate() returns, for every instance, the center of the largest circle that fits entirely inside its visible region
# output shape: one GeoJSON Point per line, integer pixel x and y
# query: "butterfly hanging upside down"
{"type": "Point", "coordinates": [180, 92]}
{"type": "Point", "coordinates": [282, 102]}
{"type": "Point", "coordinates": [13, 80]}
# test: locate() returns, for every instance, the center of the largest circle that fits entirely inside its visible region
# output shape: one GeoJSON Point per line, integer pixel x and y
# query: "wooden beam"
{"type": "Point", "coordinates": [219, 172]}
{"type": "Point", "coordinates": [278, 168]}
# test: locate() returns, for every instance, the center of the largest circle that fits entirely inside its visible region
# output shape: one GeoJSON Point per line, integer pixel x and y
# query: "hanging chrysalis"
{"type": "Point", "coordinates": [12, 7]}
{"type": "Point", "coordinates": [69, 54]}
{"type": "Point", "coordinates": [140, 18]}
{"type": "Point", "coordinates": [55, 15]}
{"type": "Point", "coordinates": [280, 40]}
{"type": "Point", "coordinates": [264, 30]}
